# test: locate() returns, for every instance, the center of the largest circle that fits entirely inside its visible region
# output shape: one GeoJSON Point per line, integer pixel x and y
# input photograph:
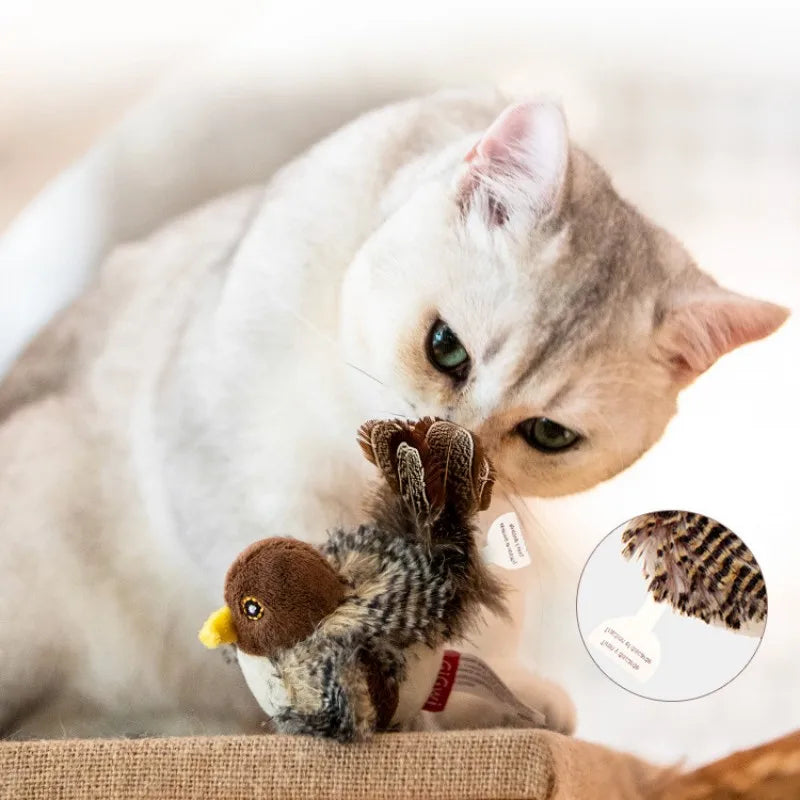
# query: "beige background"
{"type": "Point", "coordinates": [69, 70]}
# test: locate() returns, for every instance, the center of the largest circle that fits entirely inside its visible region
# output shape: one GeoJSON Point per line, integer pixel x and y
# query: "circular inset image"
{"type": "Point", "coordinates": [672, 605]}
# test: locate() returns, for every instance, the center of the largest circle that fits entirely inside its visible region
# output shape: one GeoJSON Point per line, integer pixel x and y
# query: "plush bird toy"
{"type": "Point", "coordinates": [347, 640]}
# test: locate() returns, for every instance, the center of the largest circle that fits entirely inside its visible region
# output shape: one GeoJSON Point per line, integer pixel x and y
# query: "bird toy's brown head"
{"type": "Point", "coordinates": [276, 592]}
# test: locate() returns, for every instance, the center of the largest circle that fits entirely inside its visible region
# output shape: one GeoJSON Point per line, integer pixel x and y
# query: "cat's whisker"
{"type": "Point", "coordinates": [331, 341]}
{"type": "Point", "coordinates": [396, 394]}
{"type": "Point", "coordinates": [364, 372]}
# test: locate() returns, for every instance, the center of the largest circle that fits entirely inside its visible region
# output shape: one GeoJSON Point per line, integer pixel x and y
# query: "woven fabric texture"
{"type": "Point", "coordinates": [465, 764]}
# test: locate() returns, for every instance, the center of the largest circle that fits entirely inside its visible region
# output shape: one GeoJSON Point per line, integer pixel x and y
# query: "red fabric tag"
{"type": "Point", "coordinates": [440, 693]}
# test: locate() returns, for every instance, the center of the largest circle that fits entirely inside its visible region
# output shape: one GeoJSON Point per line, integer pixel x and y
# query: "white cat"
{"type": "Point", "coordinates": [452, 256]}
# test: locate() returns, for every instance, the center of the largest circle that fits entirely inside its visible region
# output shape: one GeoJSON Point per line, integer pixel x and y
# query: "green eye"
{"type": "Point", "coordinates": [546, 435]}
{"type": "Point", "coordinates": [446, 352]}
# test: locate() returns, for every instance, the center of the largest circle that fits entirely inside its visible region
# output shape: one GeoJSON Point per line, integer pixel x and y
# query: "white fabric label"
{"type": "Point", "coordinates": [505, 543]}
{"type": "Point", "coordinates": [629, 642]}
{"type": "Point", "coordinates": [477, 678]}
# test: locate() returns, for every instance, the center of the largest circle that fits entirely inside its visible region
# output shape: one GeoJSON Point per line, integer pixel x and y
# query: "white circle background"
{"type": "Point", "coordinates": [696, 658]}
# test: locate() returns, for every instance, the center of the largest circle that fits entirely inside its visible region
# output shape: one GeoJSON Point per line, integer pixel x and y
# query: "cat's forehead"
{"type": "Point", "coordinates": [543, 302]}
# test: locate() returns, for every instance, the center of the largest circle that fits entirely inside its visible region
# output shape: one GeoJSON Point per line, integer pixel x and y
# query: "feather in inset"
{"type": "Point", "coordinates": [700, 567]}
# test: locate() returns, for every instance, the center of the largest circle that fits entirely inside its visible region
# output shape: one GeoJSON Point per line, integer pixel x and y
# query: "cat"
{"type": "Point", "coordinates": [453, 256]}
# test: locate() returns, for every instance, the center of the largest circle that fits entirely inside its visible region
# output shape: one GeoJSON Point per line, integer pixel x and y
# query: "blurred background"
{"type": "Point", "coordinates": [656, 74]}
{"type": "Point", "coordinates": [693, 108]}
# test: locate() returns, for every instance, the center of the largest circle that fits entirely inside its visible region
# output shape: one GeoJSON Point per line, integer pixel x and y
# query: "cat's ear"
{"type": "Point", "coordinates": [697, 330]}
{"type": "Point", "coordinates": [518, 167]}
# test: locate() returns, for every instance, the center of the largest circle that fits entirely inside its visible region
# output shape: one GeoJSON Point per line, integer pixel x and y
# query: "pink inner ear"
{"type": "Point", "coordinates": [695, 335]}
{"type": "Point", "coordinates": [509, 134]}
{"type": "Point", "coordinates": [519, 164]}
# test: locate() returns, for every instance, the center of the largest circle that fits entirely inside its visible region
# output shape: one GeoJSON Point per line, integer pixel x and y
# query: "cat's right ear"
{"type": "Point", "coordinates": [516, 173]}
{"type": "Point", "coordinates": [697, 330]}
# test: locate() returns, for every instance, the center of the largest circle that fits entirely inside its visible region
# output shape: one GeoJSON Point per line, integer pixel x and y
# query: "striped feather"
{"type": "Point", "coordinates": [700, 567]}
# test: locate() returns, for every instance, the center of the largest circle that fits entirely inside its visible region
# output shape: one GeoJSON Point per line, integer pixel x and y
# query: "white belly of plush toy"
{"type": "Point", "coordinates": [422, 666]}
{"type": "Point", "coordinates": [264, 682]}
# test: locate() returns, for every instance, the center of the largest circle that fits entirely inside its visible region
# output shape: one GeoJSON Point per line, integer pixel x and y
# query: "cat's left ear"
{"type": "Point", "coordinates": [695, 331]}
{"type": "Point", "coordinates": [518, 169]}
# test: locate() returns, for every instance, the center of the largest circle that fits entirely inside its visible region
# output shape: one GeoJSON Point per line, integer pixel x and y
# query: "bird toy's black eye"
{"type": "Point", "coordinates": [252, 608]}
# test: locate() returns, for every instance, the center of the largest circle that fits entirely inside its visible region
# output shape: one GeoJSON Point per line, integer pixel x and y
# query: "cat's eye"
{"type": "Point", "coordinates": [252, 608]}
{"type": "Point", "coordinates": [547, 435]}
{"type": "Point", "coordinates": [446, 352]}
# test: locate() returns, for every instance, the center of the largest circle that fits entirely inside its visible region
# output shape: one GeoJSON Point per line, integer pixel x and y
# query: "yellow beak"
{"type": "Point", "coordinates": [218, 629]}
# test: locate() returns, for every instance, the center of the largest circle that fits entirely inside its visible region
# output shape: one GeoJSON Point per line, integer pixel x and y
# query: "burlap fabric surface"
{"type": "Point", "coordinates": [463, 764]}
